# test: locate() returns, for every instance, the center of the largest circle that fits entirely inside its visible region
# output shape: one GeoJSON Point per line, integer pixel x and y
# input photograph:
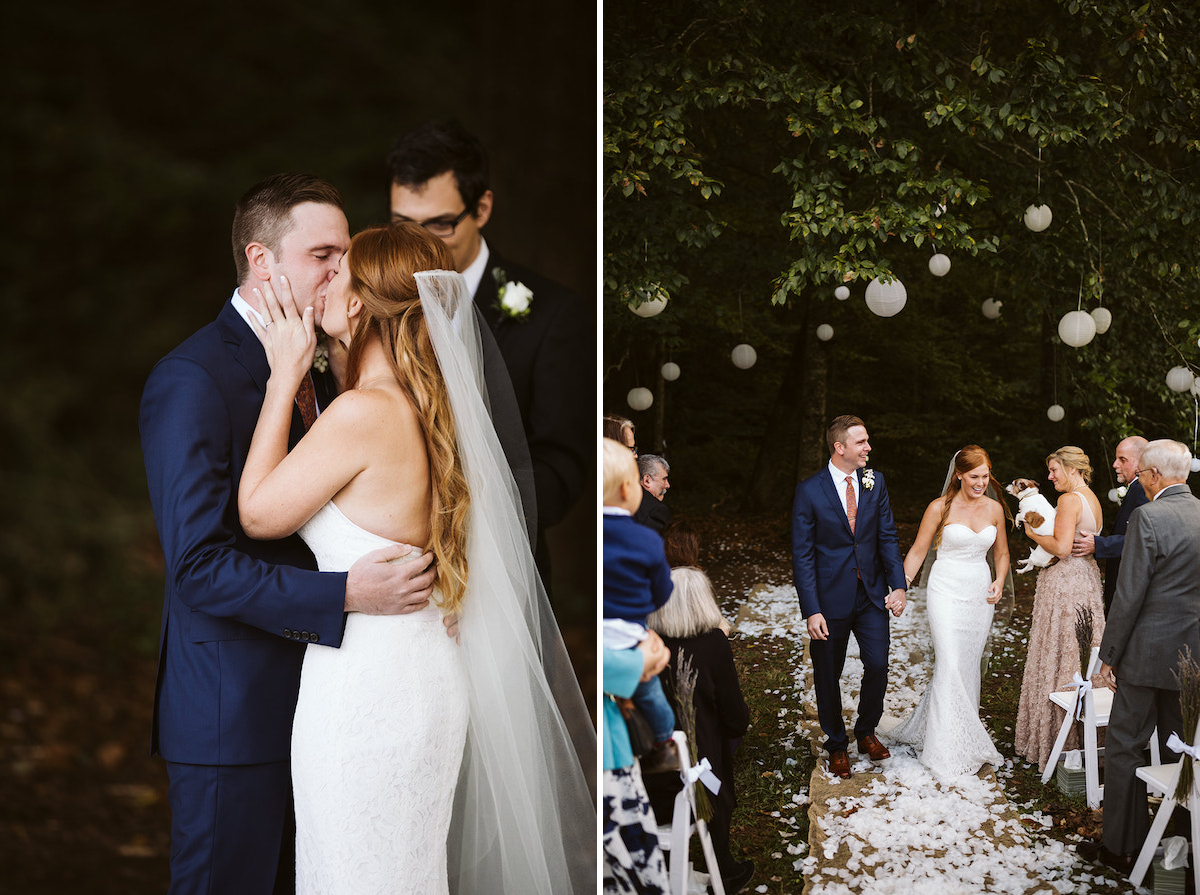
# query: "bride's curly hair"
{"type": "Point", "coordinates": [382, 263]}
{"type": "Point", "coordinates": [968, 458]}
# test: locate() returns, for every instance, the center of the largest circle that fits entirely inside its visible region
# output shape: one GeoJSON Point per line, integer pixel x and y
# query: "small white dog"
{"type": "Point", "coordinates": [1037, 515]}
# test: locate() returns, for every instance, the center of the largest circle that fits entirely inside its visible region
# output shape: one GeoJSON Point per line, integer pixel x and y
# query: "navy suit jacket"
{"type": "Point", "coordinates": [551, 360]}
{"type": "Point", "coordinates": [237, 612]}
{"type": "Point", "coordinates": [1108, 548]}
{"type": "Point", "coordinates": [827, 558]}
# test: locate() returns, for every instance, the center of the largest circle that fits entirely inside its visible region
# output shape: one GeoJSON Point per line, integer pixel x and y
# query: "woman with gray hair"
{"type": "Point", "coordinates": [690, 624]}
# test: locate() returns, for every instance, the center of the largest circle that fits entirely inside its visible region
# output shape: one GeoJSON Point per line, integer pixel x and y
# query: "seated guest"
{"type": "Point", "coordinates": [682, 547]}
{"type": "Point", "coordinates": [620, 430]}
{"type": "Point", "coordinates": [690, 627]}
{"type": "Point", "coordinates": [653, 513]}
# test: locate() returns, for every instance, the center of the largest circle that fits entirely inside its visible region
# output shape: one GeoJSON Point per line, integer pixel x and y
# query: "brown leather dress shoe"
{"type": "Point", "coordinates": [839, 764]}
{"type": "Point", "coordinates": [1096, 853]}
{"type": "Point", "coordinates": [870, 745]}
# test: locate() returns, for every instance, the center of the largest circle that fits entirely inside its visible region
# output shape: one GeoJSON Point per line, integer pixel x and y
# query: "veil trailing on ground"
{"type": "Point", "coordinates": [1004, 609]}
{"type": "Point", "coordinates": [524, 811]}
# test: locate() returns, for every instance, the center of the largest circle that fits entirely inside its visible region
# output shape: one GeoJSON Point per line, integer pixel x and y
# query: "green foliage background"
{"type": "Point", "coordinates": [758, 153]}
{"type": "Point", "coordinates": [130, 129]}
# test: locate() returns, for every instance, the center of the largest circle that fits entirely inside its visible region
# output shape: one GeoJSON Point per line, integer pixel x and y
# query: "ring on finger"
{"type": "Point", "coordinates": [268, 323]}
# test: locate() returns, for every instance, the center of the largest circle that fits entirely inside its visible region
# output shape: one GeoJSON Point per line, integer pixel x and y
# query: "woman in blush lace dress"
{"type": "Point", "coordinates": [963, 525]}
{"type": "Point", "coordinates": [1071, 583]}
{"type": "Point", "coordinates": [419, 763]}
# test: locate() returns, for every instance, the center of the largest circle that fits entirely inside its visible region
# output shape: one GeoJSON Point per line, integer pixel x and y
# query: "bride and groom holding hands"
{"type": "Point", "coordinates": [439, 737]}
{"type": "Point", "coordinates": [849, 575]}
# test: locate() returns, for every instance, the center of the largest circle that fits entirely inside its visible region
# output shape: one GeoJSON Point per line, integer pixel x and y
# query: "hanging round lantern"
{"type": "Point", "coordinates": [1113, 496]}
{"type": "Point", "coordinates": [841, 293]}
{"type": "Point", "coordinates": [670, 371]}
{"type": "Point", "coordinates": [1103, 319]}
{"type": "Point", "coordinates": [939, 265]}
{"type": "Point", "coordinates": [744, 356]}
{"type": "Point", "coordinates": [1077, 328]}
{"type": "Point", "coordinates": [824, 332]}
{"type": "Point", "coordinates": [640, 398]}
{"type": "Point", "coordinates": [991, 308]}
{"type": "Point", "coordinates": [1195, 464]}
{"type": "Point", "coordinates": [886, 299]}
{"type": "Point", "coordinates": [1055, 412]}
{"type": "Point", "coordinates": [653, 301]}
{"type": "Point", "coordinates": [1180, 379]}
{"type": "Point", "coordinates": [1038, 217]}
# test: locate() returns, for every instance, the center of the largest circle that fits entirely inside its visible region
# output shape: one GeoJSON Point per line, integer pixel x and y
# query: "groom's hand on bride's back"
{"type": "Point", "coordinates": [378, 586]}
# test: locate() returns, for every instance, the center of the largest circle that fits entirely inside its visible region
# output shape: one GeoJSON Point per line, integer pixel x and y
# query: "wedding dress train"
{"type": "Point", "coordinates": [945, 726]}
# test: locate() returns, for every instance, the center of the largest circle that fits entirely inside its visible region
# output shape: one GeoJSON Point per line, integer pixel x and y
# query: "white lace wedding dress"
{"type": "Point", "coordinates": [945, 726]}
{"type": "Point", "coordinates": [377, 741]}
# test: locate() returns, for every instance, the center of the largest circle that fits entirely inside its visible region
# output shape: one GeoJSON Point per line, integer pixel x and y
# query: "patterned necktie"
{"type": "Point", "coordinates": [851, 504]}
{"type": "Point", "coordinates": [306, 400]}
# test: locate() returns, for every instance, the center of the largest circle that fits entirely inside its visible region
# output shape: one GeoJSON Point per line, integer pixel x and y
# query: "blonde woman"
{"type": "Point", "coordinates": [1062, 588]}
{"type": "Point", "coordinates": [402, 729]}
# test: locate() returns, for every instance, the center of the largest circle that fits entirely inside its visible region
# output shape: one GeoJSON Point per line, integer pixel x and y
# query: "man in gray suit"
{"type": "Point", "coordinates": [1155, 617]}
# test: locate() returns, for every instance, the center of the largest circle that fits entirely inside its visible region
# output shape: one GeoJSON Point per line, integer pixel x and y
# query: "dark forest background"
{"type": "Point", "coordinates": [129, 130]}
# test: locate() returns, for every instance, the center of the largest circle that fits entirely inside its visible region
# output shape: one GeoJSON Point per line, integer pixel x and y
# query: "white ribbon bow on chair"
{"type": "Point", "coordinates": [1082, 688]}
{"type": "Point", "coordinates": [1175, 744]}
{"type": "Point", "coordinates": [680, 819]}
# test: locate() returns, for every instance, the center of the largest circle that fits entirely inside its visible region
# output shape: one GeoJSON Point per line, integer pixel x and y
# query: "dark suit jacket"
{"type": "Point", "coordinates": [551, 360]}
{"type": "Point", "coordinates": [1156, 610]}
{"type": "Point", "coordinates": [827, 558]}
{"type": "Point", "coordinates": [652, 512]}
{"type": "Point", "coordinates": [237, 612]}
{"type": "Point", "coordinates": [1108, 548]}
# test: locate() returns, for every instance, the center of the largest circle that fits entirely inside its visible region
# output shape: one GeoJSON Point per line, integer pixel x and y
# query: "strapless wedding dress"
{"type": "Point", "coordinates": [945, 726]}
{"type": "Point", "coordinates": [377, 741]}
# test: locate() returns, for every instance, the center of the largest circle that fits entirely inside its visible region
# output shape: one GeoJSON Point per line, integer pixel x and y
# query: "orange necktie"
{"type": "Point", "coordinates": [306, 400]}
{"type": "Point", "coordinates": [851, 504]}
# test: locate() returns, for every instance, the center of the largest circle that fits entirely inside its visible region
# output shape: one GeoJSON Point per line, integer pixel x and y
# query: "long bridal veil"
{"type": "Point", "coordinates": [524, 813]}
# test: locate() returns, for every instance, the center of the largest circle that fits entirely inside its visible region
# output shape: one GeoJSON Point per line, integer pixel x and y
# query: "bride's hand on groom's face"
{"type": "Point", "coordinates": [287, 334]}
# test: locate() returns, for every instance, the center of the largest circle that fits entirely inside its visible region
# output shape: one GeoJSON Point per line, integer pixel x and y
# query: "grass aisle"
{"type": "Point", "coordinates": [891, 828]}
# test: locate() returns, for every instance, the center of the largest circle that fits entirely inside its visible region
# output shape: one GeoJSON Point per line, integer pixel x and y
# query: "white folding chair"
{"type": "Point", "coordinates": [1097, 705]}
{"type": "Point", "coordinates": [1164, 778]}
{"type": "Point", "coordinates": [675, 837]}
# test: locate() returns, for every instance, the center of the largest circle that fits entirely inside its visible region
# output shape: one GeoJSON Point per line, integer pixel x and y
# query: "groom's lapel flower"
{"type": "Point", "coordinates": [513, 299]}
{"type": "Point", "coordinates": [868, 479]}
{"type": "Point", "coordinates": [1121, 492]}
{"type": "Point", "coordinates": [321, 358]}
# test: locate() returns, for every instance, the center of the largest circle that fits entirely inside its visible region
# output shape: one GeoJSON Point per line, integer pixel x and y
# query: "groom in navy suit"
{"type": "Point", "coordinates": [848, 574]}
{"type": "Point", "coordinates": [237, 613]}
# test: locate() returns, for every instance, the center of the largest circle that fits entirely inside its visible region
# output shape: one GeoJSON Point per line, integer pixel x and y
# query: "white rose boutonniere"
{"type": "Point", "coordinates": [513, 298]}
{"type": "Point", "coordinates": [1121, 492]}
{"type": "Point", "coordinates": [868, 479]}
{"type": "Point", "coordinates": [321, 358]}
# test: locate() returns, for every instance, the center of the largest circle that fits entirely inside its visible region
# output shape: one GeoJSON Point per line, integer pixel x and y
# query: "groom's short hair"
{"type": "Point", "coordinates": [435, 148]}
{"type": "Point", "coordinates": [264, 212]}
{"type": "Point", "coordinates": [839, 427]}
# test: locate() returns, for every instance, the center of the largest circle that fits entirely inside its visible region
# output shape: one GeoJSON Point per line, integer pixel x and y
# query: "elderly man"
{"type": "Point", "coordinates": [1155, 618]}
{"type": "Point", "coordinates": [1108, 548]}
{"type": "Point", "coordinates": [653, 513]}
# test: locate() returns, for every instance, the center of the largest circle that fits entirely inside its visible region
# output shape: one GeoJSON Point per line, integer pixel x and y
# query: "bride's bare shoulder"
{"type": "Point", "coordinates": [372, 407]}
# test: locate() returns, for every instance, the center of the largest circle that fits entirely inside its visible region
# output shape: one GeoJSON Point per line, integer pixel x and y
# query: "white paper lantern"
{"type": "Point", "coordinates": [1055, 412]}
{"type": "Point", "coordinates": [1195, 464]}
{"type": "Point", "coordinates": [991, 308]}
{"type": "Point", "coordinates": [670, 371]}
{"type": "Point", "coordinates": [1038, 217]}
{"type": "Point", "coordinates": [886, 299]}
{"type": "Point", "coordinates": [841, 293]}
{"type": "Point", "coordinates": [640, 398]}
{"type": "Point", "coordinates": [744, 356]}
{"type": "Point", "coordinates": [654, 300]}
{"type": "Point", "coordinates": [824, 332]}
{"type": "Point", "coordinates": [939, 265]}
{"type": "Point", "coordinates": [1077, 328]}
{"type": "Point", "coordinates": [1103, 318]}
{"type": "Point", "coordinates": [1113, 496]}
{"type": "Point", "coordinates": [1180, 379]}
